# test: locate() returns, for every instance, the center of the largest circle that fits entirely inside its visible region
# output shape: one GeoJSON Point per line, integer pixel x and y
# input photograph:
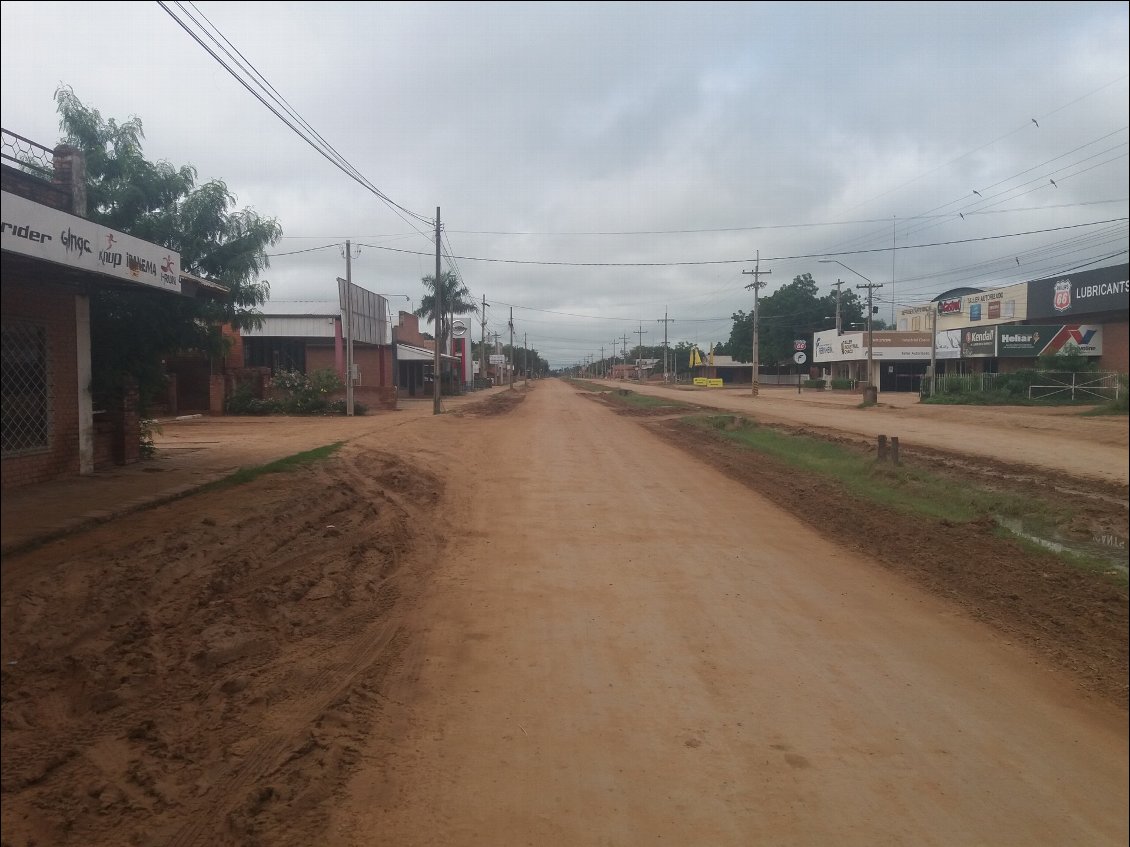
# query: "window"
{"type": "Point", "coordinates": [25, 388]}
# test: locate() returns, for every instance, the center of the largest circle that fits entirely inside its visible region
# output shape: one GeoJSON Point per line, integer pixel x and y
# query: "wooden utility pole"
{"type": "Point", "coordinates": [756, 286]}
{"type": "Point", "coordinates": [641, 332]}
{"type": "Point", "coordinates": [511, 348]}
{"type": "Point", "coordinates": [483, 342]}
{"type": "Point", "coordinates": [437, 311]}
{"type": "Point", "coordinates": [525, 361]}
{"type": "Point", "coordinates": [665, 320]}
{"type": "Point", "coordinates": [348, 329]}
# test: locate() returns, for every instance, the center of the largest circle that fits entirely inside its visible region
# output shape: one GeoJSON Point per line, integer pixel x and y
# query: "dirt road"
{"type": "Point", "coordinates": [1054, 438]}
{"type": "Point", "coordinates": [546, 626]}
{"type": "Point", "coordinates": [636, 650]}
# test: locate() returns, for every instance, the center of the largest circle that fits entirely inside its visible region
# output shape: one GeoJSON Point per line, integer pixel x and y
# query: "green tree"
{"type": "Point", "coordinates": [792, 311]}
{"type": "Point", "coordinates": [133, 330]}
{"type": "Point", "coordinates": [456, 300]}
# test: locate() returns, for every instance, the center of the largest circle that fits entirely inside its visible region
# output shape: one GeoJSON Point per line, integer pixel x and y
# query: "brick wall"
{"type": "Point", "coordinates": [321, 358]}
{"type": "Point", "coordinates": [1116, 347]}
{"type": "Point", "coordinates": [408, 332]}
{"type": "Point", "coordinates": [53, 307]}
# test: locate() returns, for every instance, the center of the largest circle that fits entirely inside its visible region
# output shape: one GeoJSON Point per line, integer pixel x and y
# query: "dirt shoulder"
{"type": "Point", "coordinates": [1077, 619]}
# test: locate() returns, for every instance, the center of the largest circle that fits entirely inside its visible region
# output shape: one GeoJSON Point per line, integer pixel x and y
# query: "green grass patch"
{"type": "Point", "coordinates": [997, 398]}
{"type": "Point", "coordinates": [900, 487]}
{"type": "Point", "coordinates": [283, 465]}
{"type": "Point", "coordinates": [1121, 406]}
{"type": "Point", "coordinates": [587, 385]}
{"type": "Point", "coordinates": [1082, 561]}
{"type": "Point", "coordinates": [624, 397]}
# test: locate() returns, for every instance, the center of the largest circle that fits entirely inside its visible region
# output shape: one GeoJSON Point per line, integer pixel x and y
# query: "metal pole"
{"type": "Point", "coordinates": [437, 311]}
{"type": "Point", "coordinates": [348, 329]}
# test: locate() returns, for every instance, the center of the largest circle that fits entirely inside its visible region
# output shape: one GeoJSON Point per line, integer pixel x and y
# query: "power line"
{"type": "Point", "coordinates": [747, 260]}
{"type": "Point", "coordinates": [303, 129]}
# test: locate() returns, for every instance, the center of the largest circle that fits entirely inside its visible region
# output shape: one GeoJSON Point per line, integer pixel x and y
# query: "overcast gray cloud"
{"type": "Point", "coordinates": [793, 129]}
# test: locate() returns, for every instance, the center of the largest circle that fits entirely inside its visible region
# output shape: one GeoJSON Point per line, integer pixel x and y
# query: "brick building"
{"type": "Point", "coordinates": [415, 359]}
{"type": "Point", "coordinates": [53, 260]}
{"type": "Point", "coordinates": [309, 337]}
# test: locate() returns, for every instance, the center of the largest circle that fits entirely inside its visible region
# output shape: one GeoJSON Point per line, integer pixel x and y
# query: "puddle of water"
{"type": "Point", "coordinates": [1109, 548]}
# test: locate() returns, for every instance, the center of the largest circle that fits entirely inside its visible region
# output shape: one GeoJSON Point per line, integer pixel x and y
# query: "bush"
{"type": "Point", "coordinates": [296, 394]}
{"type": "Point", "coordinates": [814, 383]}
{"type": "Point", "coordinates": [842, 384]}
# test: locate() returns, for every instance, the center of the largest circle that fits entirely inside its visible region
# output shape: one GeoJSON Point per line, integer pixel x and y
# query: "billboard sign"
{"type": "Point", "coordinates": [951, 306]}
{"type": "Point", "coordinates": [1085, 292]}
{"type": "Point", "coordinates": [1028, 342]}
{"type": "Point", "coordinates": [41, 232]}
{"type": "Point", "coordinates": [978, 343]}
{"type": "Point", "coordinates": [369, 310]}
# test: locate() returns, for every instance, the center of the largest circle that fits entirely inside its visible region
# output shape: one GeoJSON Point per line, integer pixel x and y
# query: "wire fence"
{"type": "Point", "coordinates": [26, 155]}
{"type": "Point", "coordinates": [1051, 386]}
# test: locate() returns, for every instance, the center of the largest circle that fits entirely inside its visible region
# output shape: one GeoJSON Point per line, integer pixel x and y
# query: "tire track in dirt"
{"type": "Point", "coordinates": [205, 672]}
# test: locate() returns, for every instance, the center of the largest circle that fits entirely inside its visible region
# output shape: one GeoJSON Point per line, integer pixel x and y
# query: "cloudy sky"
{"type": "Point", "coordinates": [623, 161]}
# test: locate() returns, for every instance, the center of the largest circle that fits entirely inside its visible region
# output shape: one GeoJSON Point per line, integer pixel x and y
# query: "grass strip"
{"type": "Point", "coordinates": [901, 487]}
{"type": "Point", "coordinates": [283, 465]}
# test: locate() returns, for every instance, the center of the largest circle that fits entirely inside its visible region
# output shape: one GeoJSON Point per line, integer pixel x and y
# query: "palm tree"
{"type": "Point", "coordinates": [456, 300]}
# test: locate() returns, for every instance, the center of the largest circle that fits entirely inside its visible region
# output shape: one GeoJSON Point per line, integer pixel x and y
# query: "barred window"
{"type": "Point", "coordinates": [26, 395]}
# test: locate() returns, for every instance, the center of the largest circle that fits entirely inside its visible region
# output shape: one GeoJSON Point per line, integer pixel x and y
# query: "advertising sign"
{"type": "Point", "coordinates": [978, 343]}
{"type": "Point", "coordinates": [54, 236]}
{"type": "Point", "coordinates": [1080, 293]}
{"type": "Point", "coordinates": [1028, 342]}
{"type": "Point", "coordinates": [800, 344]}
{"type": "Point", "coordinates": [369, 323]}
{"type": "Point", "coordinates": [498, 358]}
{"type": "Point", "coordinates": [950, 307]}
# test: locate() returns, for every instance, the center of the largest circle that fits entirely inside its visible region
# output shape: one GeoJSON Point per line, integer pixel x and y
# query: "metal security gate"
{"type": "Point", "coordinates": [26, 388]}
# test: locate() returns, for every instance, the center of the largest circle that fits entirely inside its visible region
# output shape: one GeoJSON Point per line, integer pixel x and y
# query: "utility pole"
{"type": "Point", "coordinates": [665, 320]}
{"type": "Point", "coordinates": [438, 312]}
{"type": "Point", "coordinates": [348, 329]}
{"type": "Point", "coordinates": [869, 391]}
{"type": "Point", "coordinates": [756, 286]}
{"type": "Point", "coordinates": [641, 332]}
{"type": "Point", "coordinates": [525, 361]}
{"type": "Point", "coordinates": [839, 330]}
{"type": "Point", "coordinates": [615, 341]}
{"type": "Point", "coordinates": [603, 367]}
{"type": "Point", "coordinates": [483, 342]}
{"type": "Point", "coordinates": [933, 351]}
{"type": "Point", "coordinates": [511, 348]}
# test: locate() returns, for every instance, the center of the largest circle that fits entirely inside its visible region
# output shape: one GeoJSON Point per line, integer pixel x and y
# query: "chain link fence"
{"type": "Point", "coordinates": [24, 383]}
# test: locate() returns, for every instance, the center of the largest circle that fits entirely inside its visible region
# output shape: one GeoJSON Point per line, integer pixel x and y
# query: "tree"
{"type": "Point", "coordinates": [133, 330]}
{"type": "Point", "coordinates": [792, 311]}
{"type": "Point", "coordinates": [456, 300]}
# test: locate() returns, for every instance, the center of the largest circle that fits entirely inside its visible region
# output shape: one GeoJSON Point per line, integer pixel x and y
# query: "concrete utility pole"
{"type": "Point", "coordinates": [511, 348]}
{"type": "Point", "coordinates": [615, 341]}
{"type": "Point", "coordinates": [348, 329]}
{"type": "Point", "coordinates": [438, 312]}
{"type": "Point", "coordinates": [483, 342]}
{"type": "Point", "coordinates": [665, 320]}
{"type": "Point", "coordinates": [869, 392]}
{"type": "Point", "coordinates": [933, 351]}
{"type": "Point", "coordinates": [756, 286]}
{"type": "Point", "coordinates": [641, 332]}
{"type": "Point", "coordinates": [525, 361]}
{"type": "Point", "coordinates": [839, 330]}
{"type": "Point", "coordinates": [603, 367]}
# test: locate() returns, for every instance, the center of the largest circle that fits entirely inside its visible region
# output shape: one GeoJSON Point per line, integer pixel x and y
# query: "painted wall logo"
{"type": "Point", "coordinates": [74, 243]}
{"type": "Point", "coordinates": [847, 346]}
{"type": "Point", "coordinates": [139, 265]}
{"type": "Point", "coordinates": [1062, 299]}
{"type": "Point", "coordinates": [110, 256]}
{"type": "Point", "coordinates": [950, 307]}
{"type": "Point", "coordinates": [169, 274]}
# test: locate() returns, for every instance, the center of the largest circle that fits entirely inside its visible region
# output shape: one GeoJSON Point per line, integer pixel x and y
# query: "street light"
{"type": "Point", "coordinates": [869, 392]}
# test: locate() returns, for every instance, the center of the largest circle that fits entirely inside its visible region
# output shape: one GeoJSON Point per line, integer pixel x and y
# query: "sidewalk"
{"type": "Point", "coordinates": [190, 454]}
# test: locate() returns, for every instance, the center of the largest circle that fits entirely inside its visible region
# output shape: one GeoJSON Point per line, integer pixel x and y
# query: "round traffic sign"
{"type": "Point", "coordinates": [800, 358]}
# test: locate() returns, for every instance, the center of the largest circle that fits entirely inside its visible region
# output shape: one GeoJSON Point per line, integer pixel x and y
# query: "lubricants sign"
{"type": "Point", "coordinates": [41, 232]}
{"type": "Point", "coordinates": [1086, 292]}
{"type": "Point", "coordinates": [1023, 342]}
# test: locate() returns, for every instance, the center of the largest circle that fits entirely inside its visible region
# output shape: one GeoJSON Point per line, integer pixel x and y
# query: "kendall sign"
{"type": "Point", "coordinates": [35, 230]}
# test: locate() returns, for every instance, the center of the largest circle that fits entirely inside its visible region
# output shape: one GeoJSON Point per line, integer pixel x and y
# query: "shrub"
{"type": "Point", "coordinates": [814, 383]}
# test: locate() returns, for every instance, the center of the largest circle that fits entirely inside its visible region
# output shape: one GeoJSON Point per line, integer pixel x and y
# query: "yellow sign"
{"type": "Point", "coordinates": [714, 383]}
{"type": "Point", "coordinates": [701, 380]}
